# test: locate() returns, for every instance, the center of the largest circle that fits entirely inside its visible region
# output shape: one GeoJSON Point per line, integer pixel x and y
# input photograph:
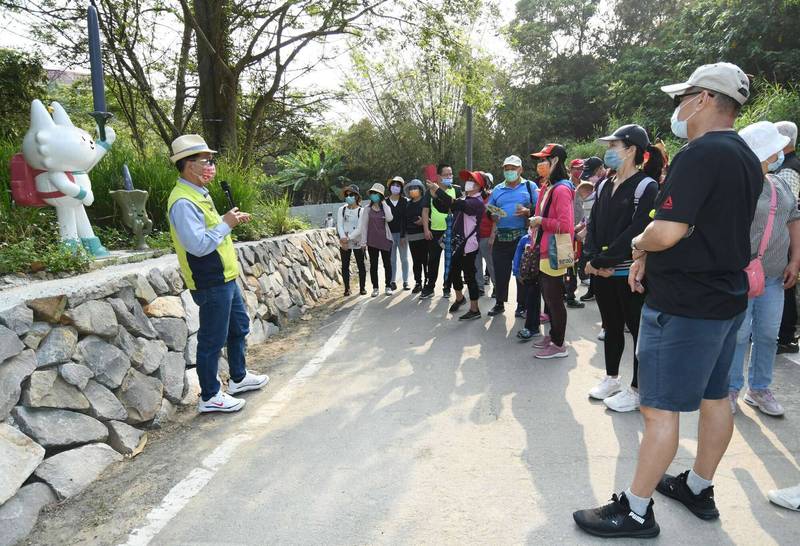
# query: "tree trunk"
{"type": "Point", "coordinates": [219, 86]}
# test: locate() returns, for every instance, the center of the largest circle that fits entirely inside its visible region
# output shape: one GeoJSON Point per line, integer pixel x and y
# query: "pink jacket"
{"type": "Point", "coordinates": [560, 217]}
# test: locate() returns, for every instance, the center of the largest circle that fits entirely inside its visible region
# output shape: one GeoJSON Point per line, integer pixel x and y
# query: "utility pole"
{"type": "Point", "coordinates": [468, 109]}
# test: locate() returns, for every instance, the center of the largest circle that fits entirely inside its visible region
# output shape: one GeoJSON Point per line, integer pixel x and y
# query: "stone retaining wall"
{"type": "Point", "coordinates": [89, 364]}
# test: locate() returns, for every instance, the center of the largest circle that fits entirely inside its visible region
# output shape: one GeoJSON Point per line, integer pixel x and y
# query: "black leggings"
{"type": "Point", "coordinates": [618, 307]}
{"type": "Point", "coordinates": [434, 257]}
{"type": "Point", "coordinates": [373, 266]}
{"type": "Point", "coordinates": [464, 264]}
{"type": "Point", "coordinates": [503, 257]}
{"type": "Point", "coordinates": [419, 255]}
{"type": "Point", "coordinates": [533, 304]}
{"type": "Point", "coordinates": [362, 270]}
{"type": "Point", "coordinates": [553, 293]}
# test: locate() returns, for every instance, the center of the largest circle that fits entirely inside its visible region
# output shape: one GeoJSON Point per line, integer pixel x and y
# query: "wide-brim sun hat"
{"type": "Point", "coordinates": [188, 145]}
{"type": "Point", "coordinates": [725, 78]}
{"type": "Point", "coordinates": [764, 139]}
{"type": "Point", "coordinates": [475, 176]}
{"type": "Point", "coordinates": [377, 188]}
{"type": "Point", "coordinates": [633, 133]}
{"type": "Point", "coordinates": [397, 179]}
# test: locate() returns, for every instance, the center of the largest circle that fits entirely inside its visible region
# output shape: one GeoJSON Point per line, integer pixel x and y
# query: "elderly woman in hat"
{"type": "Point", "coordinates": [347, 219]}
{"type": "Point", "coordinates": [373, 229]}
{"type": "Point", "coordinates": [774, 235]}
{"type": "Point", "coordinates": [397, 202]}
{"type": "Point", "coordinates": [468, 212]}
{"type": "Point", "coordinates": [415, 233]}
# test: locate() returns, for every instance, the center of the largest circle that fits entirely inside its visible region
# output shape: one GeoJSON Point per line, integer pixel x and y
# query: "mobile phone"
{"type": "Point", "coordinates": [430, 172]}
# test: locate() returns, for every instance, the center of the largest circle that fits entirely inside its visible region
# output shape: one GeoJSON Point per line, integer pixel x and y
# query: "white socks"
{"type": "Point", "coordinates": [637, 504]}
{"type": "Point", "coordinates": [696, 482]}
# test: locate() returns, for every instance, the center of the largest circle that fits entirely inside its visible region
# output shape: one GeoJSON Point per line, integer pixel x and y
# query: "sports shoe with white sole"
{"type": "Point", "coordinates": [222, 402]}
{"type": "Point", "coordinates": [764, 400]}
{"type": "Point", "coordinates": [551, 351]}
{"type": "Point", "coordinates": [250, 382]}
{"type": "Point", "coordinates": [788, 498]}
{"type": "Point", "coordinates": [625, 400]}
{"type": "Point", "coordinates": [609, 386]}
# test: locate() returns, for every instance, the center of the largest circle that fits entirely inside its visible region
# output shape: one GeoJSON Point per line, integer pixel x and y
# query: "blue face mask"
{"type": "Point", "coordinates": [447, 182]}
{"type": "Point", "coordinates": [772, 167]}
{"type": "Point", "coordinates": [612, 159]}
{"type": "Point", "coordinates": [511, 176]}
{"type": "Point", "coordinates": [375, 198]}
{"type": "Point", "coordinates": [350, 199]}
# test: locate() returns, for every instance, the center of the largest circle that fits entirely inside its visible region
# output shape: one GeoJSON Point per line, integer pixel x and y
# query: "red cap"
{"type": "Point", "coordinates": [551, 150]}
{"type": "Point", "coordinates": [576, 164]}
{"type": "Point", "coordinates": [475, 176]}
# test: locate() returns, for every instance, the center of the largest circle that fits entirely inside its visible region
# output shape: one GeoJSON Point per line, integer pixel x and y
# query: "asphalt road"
{"type": "Point", "coordinates": [389, 422]}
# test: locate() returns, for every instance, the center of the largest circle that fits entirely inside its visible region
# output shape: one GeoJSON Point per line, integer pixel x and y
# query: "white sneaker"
{"type": "Point", "coordinates": [250, 382]}
{"type": "Point", "coordinates": [220, 402]}
{"type": "Point", "coordinates": [609, 386]}
{"type": "Point", "coordinates": [625, 400]}
{"type": "Point", "coordinates": [788, 498]}
{"type": "Point", "coordinates": [389, 291]}
{"type": "Point", "coordinates": [375, 292]}
{"type": "Point", "coordinates": [602, 335]}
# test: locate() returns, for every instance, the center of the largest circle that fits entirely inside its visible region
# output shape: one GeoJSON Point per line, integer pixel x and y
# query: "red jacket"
{"type": "Point", "coordinates": [485, 229]}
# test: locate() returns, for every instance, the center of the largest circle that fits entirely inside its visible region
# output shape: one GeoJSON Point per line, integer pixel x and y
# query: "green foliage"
{"type": "Point", "coordinates": [22, 79]}
{"type": "Point", "coordinates": [270, 218]}
{"type": "Point", "coordinates": [30, 256]}
{"type": "Point", "coordinates": [312, 175]}
{"type": "Point", "coordinates": [774, 102]}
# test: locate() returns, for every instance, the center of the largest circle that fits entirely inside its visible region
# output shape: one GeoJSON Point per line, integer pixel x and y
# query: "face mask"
{"type": "Point", "coordinates": [772, 167]}
{"type": "Point", "coordinates": [350, 199]}
{"type": "Point", "coordinates": [395, 190]}
{"type": "Point", "coordinates": [612, 159]}
{"type": "Point", "coordinates": [207, 173]}
{"type": "Point", "coordinates": [413, 193]}
{"type": "Point", "coordinates": [511, 176]}
{"type": "Point", "coordinates": [681, 128]}
{"type": "Point", "coordinates": [543, 169]}
{"type": "Point", "coordinates": [470, 186]}
{"type": "Point", "coordinates": [447, 182]}
{"type": "Point", "coordinates": [375, 198]}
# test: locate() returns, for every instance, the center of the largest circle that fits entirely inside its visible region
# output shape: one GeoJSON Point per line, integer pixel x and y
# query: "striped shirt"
{"type": "Point", "coordinates": [775, 257]}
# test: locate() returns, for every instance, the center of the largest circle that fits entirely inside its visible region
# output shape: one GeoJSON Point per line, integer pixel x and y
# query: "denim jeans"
{"type": "Point", "coordinates": [401, 248]}
{"type": "Point", "coordinates": [223, 321]}
{"type": "Point", "coordinates": [760, 327]}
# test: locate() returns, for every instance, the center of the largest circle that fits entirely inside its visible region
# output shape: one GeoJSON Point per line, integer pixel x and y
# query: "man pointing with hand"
{"type": "Point", "coordinates": [209, 267]}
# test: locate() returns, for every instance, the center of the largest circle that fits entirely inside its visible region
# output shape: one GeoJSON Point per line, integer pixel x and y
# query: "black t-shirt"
{"type": "Point", "coordinates": [713, 185]}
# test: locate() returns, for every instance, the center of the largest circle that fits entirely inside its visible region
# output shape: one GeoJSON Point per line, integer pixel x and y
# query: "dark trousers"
{"type": "Point", "coordinates": [464, 264]}
{"type": "Point", "coordinates": [223, 321]}
{"type": "Point", "coordinates": [503, 257]}
{"type": "Point", "coordinates": [618, 307]}
{"type": "Point", "coordinates": [373, 265]}
{"type": "Point", "coordinates": [553, 293]}
{"type": "Point", "coordinates": [419, 257]}
{"type": "Point", "coordinates": [434, 256]}
{"type": "Point", "coordinates": [786, 332]}
{"type": "Point", "coordinates": [571, 282]}
{"type": "Point", "coordinates": [362, 270]}
{"type": "Point", "coordinates": [533, 304]}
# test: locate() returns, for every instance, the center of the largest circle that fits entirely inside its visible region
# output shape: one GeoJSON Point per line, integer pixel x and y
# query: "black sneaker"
{"type": "Point", "coordinates": [417, 289]}
{"type": "Point", "coordinates": [363, 291]}
{"type": "Point", "coordinates": [496, 310]}
{"type": "Point", "coordinates": [616, 520]}
{"type": "Point", "coordinates": [347, 291]}
{"type": "Point", "coordinates": [426, 293]}
{"type": "Point", "coordinates": [393, 285]}
{"type": "Point", "coordinates": [457, 304]}
{"type": "Point", "coordinates": [519, 313]}
{"type": "Point", "coordinates": [470, 315]}
{"type": "Point", "coordinates": [702, 505]}
{"type": "Point", "coordinates": [575, 304]}
{"type": "Point", "coordinates": [587, 297]}
{"type": "Point", "coordinates": [446, 293]}
{"type": "Point", "coordinates": [405, 286]}
{"type": "Point", "coordinates": [788, 348]}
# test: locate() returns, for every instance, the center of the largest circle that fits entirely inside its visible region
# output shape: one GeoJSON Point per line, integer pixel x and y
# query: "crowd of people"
{"type": "Point", "coordinates": [697, 258]}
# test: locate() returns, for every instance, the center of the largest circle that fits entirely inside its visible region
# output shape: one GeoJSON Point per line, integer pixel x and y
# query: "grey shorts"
{"type": "Point", "coordinates": [684, 360]}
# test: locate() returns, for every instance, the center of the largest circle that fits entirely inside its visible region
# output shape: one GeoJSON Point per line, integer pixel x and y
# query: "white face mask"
{"type": "Point", "coordinates": [470, 186]}
{"type": "Point", "coordinates": [681, 128]}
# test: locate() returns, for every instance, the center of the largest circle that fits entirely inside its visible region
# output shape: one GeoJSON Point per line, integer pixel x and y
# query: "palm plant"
{"type": "Point", "coordinates": [312, 176]}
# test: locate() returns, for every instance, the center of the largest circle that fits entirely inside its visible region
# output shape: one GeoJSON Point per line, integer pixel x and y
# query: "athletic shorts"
{"type": "Point", "coordinates": [684, 360]}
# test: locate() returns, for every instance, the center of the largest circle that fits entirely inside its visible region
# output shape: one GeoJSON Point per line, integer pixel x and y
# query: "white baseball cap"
{"type": "Point", "coordinates": [513, 160]}
{"type": "Point", "coordinates": [764, 139]}
{"type": "Point", "coordinates": [725, 78]}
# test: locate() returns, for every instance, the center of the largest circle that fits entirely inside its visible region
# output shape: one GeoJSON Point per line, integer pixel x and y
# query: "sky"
{"type": "Point", "coordinates": [328, 76]}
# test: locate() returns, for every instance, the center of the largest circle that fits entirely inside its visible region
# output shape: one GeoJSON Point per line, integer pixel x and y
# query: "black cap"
{"type": "Point", "coordinates": [634, 134]}
{"type": "Point", "coordinates": [590, 165]}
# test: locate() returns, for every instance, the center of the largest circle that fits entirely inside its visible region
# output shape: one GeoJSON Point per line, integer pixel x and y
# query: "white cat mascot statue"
{"type": "Point", "coordinates": [60, 156]}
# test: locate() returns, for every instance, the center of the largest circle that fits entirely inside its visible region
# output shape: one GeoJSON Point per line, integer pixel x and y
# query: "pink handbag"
{"type": "Point", "coordinates": [755, 269]}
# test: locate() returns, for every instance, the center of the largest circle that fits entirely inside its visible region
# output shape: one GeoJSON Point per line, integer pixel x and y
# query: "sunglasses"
{"type": "Point", "coordinates": [679, 99]}
{"type": "Point", "coordinates": [206, 161]}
